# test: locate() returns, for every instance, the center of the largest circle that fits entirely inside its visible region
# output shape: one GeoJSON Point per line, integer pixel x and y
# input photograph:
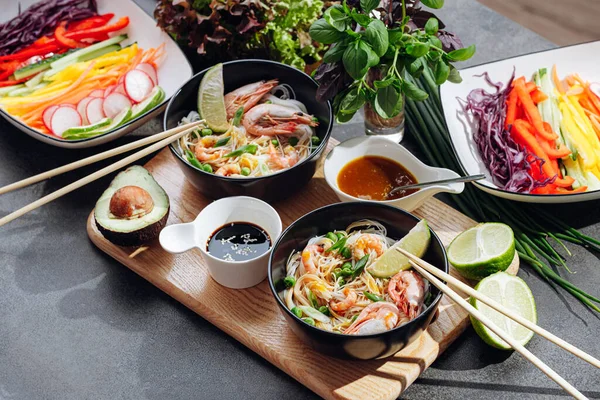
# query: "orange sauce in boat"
{"type": "Point", "coordinates": [372, 178]}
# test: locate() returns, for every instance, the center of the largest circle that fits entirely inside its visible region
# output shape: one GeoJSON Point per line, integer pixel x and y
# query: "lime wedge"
{"type": "Point", "coordinates": [391, 262]}
{"type": "Point", "coordinates": [211, 99]}
{"type": "Point", "coordinates": [482, 250]}
{"type": "Point", "coordinates": [512, 292]}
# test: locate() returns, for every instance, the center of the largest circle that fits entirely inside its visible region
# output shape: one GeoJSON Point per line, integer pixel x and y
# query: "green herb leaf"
{"type": "Point", "coordinates": [417, 49]}
{"type": "Point", "coordinates": [237, 117]}
{"type": "Point", "coordinates": [321, 31]}
{"type": "Point", "coordinates": [368, 5]}
{"type": "Point", "coordinates": [377, 35]}
{"type": "Point", "coordinates": [462, 54]}
{"type": "Point", "coordinates": [342, 117]}
{"type": "Point", "coordinates": [338, 245]}
{"type": "Point", "coordinates": [432, 26]}
{"type": "Point", "coordinates": [356, 59]}
{"type": "Point", "coordinates": [222, 142]}
{"type": "Point", "coordinates": [388, 102]}
{"type": "Point", "coordinates": [373, 58]}
{"type": "Point", "coordinates": [336, 17]}
{"type": "Point", "coordinates": [414, 67]}
{"type": "Point", "coordinates": [352, 101]}
{"type": "Point", "coordinates": [372, 296]}
{"type": "Point", "coordinates": [361, 19]}
{"type": "Point", "coordinates": [385, 82]}
{"type": "Point", "coordinates": [435, 41]}
{"type": "Point", "coordinates": [433, 3]}
{"type": "Point", "coordinates": [454, 76]}
{"type": "Point", "coordinates": [442, 71]}
{"type": "Point", "coordinates": [335, 53]}
{"type": "Point", "coordinates": [359, 266]}
{"type": "Point", "coordinates": [395, 35]}
{"type": "Point", "coordinates": [413, 92]}
{"type": "Point", "coordinates": [249, 148]}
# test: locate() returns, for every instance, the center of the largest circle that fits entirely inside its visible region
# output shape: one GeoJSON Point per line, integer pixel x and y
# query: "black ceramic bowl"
{"type": "Point", "coordinates": [338, 216]}
{"type": "Point", "coordinates": [235, 74]}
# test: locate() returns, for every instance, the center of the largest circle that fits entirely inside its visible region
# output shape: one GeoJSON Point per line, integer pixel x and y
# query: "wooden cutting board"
{"type": "Point", "coordinates": [252, 316]}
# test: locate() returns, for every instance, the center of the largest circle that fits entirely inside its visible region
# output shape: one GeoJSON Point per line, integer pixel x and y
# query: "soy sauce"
{"type": "Point", "coordinates": [238, 241]}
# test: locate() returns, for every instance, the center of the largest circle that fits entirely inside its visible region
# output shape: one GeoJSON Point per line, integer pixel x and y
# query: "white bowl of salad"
{"type": "Point", "coordinates": [83, 75]}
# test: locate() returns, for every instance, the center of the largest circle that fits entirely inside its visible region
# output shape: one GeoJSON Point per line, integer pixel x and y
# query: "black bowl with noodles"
{"type": "Point", "coordinates": [337, 216]}
{"type": "Point", "coordinates": [238, 73]}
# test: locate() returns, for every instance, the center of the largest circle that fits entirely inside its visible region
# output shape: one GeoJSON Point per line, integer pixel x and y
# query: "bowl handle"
{"type": "Point", "coordinates": [178, 238]}
{"type": "Point", "coordinates": [454, 188]}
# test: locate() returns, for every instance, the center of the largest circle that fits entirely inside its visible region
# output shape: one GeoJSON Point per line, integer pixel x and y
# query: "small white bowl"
{"type": "Point", "coordinates": [358, 147]}
{"type": "Point", "coordinates": [179, 238]}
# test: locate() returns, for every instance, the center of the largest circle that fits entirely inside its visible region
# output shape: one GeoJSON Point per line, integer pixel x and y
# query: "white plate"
{"type": "Point", "coordinates": [579, 59]}
{"type": "Point", "coordinates": [172, 73]}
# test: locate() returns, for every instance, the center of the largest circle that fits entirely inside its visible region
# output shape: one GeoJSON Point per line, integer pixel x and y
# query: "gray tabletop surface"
{"type": "Point", "coordinates": [75, 324]}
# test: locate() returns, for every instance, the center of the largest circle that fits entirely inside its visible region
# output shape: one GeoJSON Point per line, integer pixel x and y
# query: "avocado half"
{"type": "Point", "coordinates": [133, 231]}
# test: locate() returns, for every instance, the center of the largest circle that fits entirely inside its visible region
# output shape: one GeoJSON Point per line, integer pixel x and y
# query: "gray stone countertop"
{"type": "Point", "coordinates": [75, 324]}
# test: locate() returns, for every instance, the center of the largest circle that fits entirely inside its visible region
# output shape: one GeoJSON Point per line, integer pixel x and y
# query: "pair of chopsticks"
{"type": "Point", "coordinates": [161, 139]}
{"type": "Point", "coordinates": [432, 274]}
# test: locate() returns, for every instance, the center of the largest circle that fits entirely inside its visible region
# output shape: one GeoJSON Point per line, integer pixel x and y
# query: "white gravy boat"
{"type": "Point", "coordinates": [358, 147]}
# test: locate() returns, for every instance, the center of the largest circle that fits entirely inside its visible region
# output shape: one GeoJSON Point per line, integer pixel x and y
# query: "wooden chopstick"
{"type": "Point", "coordinates": [502, 334]}
{"type": "Point", "coordinates": [90, 178]}
{"type": "Point", "coordinates": [96, 158]}
{"type": "Point", "coordinates": [500, 308]}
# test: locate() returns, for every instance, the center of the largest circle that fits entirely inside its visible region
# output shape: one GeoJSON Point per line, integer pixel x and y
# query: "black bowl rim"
{"type": "Point", "coordinates": [421, 316]}
{"type": "Point", "coordinates": [316, 152]}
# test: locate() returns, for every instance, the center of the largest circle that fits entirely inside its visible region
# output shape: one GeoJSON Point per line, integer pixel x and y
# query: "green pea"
{"type": "Point", "coordinates": [206, 132]}
{"type": "Point", "coordinates": [245, 171]}
{"type": "Point", "coordinates": [346, 271]}
{"type": "Point", "coordinates": [340, 235]}
{"type": "Point", "coordinates": [347, 265]}
{"type": "Point", "coordinates": [275, 142]}
{"type": "Point", "coordinates": [309, 321]}
{"type": "Point", "coordinates": [297, 312]}
{"type": "Point", "coordinates": [268, 102]}
{"type": "Point", "coordinates": [341, 281]}
{"type": "Point", "coordinates": [332, 236]}
{"type": "Point", "coordinates": [293, 141]}
{"type": "Point", "coordinates": [336, 273]}
{"type": "Point", "coordinates": [346, 252]}
{"type": "Point", "coordinates": [207, 168]}
{"type": "Point", "coordinates": [324, 310]}
{"type": "Point", "coordinates": [289, 281]}
{"type": "Point", "coordinates": [315, 140]}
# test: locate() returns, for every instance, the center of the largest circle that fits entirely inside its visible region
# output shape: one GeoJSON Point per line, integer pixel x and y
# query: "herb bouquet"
{"type": "Point", "coordinates": [374, 44]}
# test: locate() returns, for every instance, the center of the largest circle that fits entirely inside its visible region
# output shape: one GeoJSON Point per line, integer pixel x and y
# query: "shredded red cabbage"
{"type": "Point", "coordinates": [41, 19]}
{"type": "Point", "coordinates": [507, 162]}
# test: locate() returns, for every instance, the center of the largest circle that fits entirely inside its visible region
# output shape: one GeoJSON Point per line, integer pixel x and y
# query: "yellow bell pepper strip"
{"type": "Point", "coordinates": [577, 138]}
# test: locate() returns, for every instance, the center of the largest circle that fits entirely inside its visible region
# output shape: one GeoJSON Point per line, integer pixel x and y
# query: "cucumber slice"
{"type": "Point", "coordinates": [86, 51]}
{"type": "Point", "coordinates": [39, 66]}
{"type": "Point", "coordinates": [155, 97]}
{"type": "Point", "coordinates": [117, 121]}
{"type": "Point", "coordinates": [69, 133]}
{"type": "Point", "coordinates": [81, 58]}
{"type": "Point", "coordinates": [7, 89]}
{"type": "Point", "coordinates": [36, 80]}
{"type": "Point", "coordinates": [21, 92]}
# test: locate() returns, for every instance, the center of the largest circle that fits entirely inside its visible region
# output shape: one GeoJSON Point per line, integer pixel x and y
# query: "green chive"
{"type": "Point", "coordinates": [222, 142]}
{"type": "Point", "coordinates": [332, 236]}
{"type": "Point", "coordinates": [249, 148]}
{"type": "Point", "coordinates": [372, 296]}
{"type": "Point", "coordinates": [237, 117]}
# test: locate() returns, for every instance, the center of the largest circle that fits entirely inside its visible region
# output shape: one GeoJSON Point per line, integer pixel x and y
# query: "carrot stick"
{"type": "Point", "coordinates": [560, 152]}
{"type": "Point", "coordinates": [532, 111]}
{"type": "Point", "coordinates": [522, 134]}
{"type": "Point", "coordinates": [592, 97]}
{"type": "Point", "coordinates": [560, 190]}
{"type": "Point", "coordinates": [530, 86]}
{"type": "Point", "coordinates": [557, 82]}
{"type": "Point", "coordinates": [574, 91]}
{"type": "Point", "coordinates": [570, 80]}
{"type": "Point", "coordinates": [596, 124]}
{"type": "Point", "coordinates": [511, 108]}
{"type": "Point", "coordinates": [538, 96]}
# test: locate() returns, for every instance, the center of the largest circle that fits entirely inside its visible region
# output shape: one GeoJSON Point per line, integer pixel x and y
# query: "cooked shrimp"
{"type": "Point", "coordinates": [247, 96]}
{"type": "Point", "coordinates": [407, 289]}
{"type": "Point", "coordinates": [366, 244]}
{"type": "Point", "coordinates": [308, 257]}
{"type": "Point", "coordinates": [273, 119]}
{"type": "Point", "coordinates": [349, 301]}
{"type": "Point", "coordinates": [283, 159]}
{"type": "Point", "coordinates": [204, 150]}
{"type": "Point", "coordinates": [375, 318]}
{"type": "Point", "coordinates": [228, 169]}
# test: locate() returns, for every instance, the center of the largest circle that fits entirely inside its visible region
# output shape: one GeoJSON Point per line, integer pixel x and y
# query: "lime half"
{"type": "Point", "coordinates": [391, 262]}
{"type": "Point", "coordinates": [513, 293]}
{"type": "Point", "coordinates": [482, 250]}
{"type": "Point", "coordinates": [211, 99]}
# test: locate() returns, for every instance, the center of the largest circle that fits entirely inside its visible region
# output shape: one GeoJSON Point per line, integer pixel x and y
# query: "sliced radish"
{"type": "Point", "coordinates": [137, 85]}
{"type": "Point", "coordinates": [68, 105]}
{"type": "Point", "coordinates": [47, 116]}
{"type": "Point", "coordinates": [109, 90]}
{"type": "Point", "coordinates": [150, 70]}
{"type": "Point", "coordinates": [114, 103]}
{"type": "Point", "coordinates": [93, 111]}
{"type": "Point", "coordinates": [97, 93]}
{"type": "Point", "coordinates": [120, 89]}
{"type": "Point", "coordinates": [64, 118]}
{"type": "Point", "coordinates": [81, 107]}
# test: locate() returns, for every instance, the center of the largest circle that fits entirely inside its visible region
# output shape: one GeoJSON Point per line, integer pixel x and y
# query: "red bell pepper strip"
{"type": "Point", "coordinates": [91, 22]}
{"type": "Point", "coordinates": [102, 30]}
{"type": "Point", "coordinates": [522, 135]}
{"type": "Point", "coordinates": [14, 82]}
{"type": "Point", "coordinates": [59, 34]}
{"type": "Point", "coordinates": [25, 54]}
{"type": "Point", "coordinates": [8, 68]}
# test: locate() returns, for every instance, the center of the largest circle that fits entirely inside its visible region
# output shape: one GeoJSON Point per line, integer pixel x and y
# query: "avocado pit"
{"type": "Point", "coordinates": [131, 202]}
